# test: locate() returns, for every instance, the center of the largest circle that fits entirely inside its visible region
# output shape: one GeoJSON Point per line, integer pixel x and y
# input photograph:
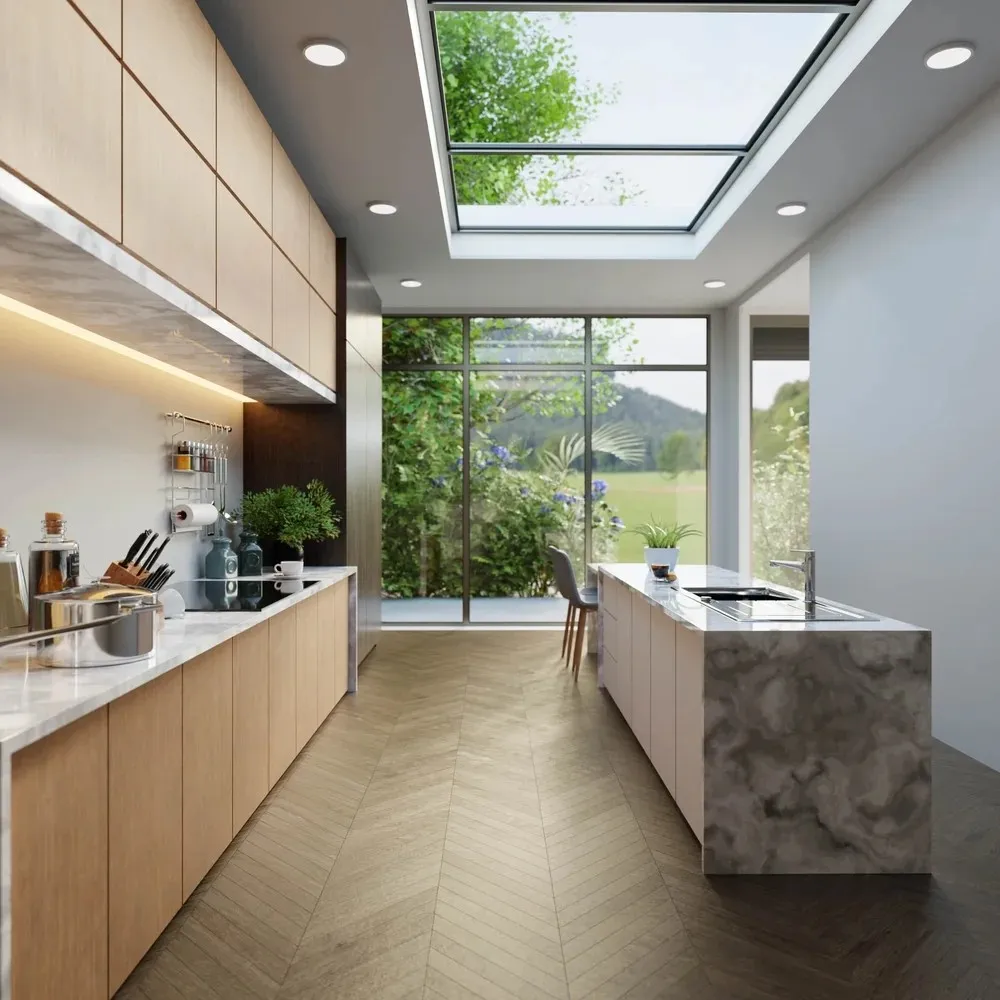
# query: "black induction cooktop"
{"type": "Point", "coordinates": [237, 595]}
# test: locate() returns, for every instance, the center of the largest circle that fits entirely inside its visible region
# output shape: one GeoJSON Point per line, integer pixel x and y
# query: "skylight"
{"type": "Point", "coordinates": [633, 118]}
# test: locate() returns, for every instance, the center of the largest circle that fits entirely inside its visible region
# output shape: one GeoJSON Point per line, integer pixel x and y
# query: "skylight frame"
{"type": "Point", "coordinates": [846, 10]}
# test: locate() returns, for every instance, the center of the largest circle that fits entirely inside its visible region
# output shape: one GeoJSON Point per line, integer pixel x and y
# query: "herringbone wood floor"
{"type": "Point", "coordinates": [476, 825]}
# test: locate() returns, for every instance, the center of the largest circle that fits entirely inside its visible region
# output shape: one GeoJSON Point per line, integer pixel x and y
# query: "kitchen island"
{"type": "Point", "coordinates": [121, 786]}
{"type": "Point", "coordinates": [789, 747]}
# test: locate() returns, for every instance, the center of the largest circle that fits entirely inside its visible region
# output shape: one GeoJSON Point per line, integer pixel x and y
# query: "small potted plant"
{"type": "Point", "coordinates": [662, 541]}
{"type": "Point", "coordinates": [292, 516]}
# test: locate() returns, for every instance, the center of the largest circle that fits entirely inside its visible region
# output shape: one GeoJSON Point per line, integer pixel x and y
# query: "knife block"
{"type": "Point", "coordinates": [125, 576]}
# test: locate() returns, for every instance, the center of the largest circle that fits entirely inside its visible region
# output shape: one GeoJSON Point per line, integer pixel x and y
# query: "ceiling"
{"type": "Point", "coordinates": [360, 132]}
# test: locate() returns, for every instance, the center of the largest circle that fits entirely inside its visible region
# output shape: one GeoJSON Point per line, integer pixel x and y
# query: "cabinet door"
{"type": "Point", "coordinates": [281, 694]}
{"type": "Point", "coordinates": [170, 48]}
{"type": "Point", "coordinates": [59, 882]}
{"type": "Point", "coordinates": [690, 718]}
{"type": "Point", "coordinates": [251, 651]}
{"type": "Point", "coordinates": [333, 645]}
{"type": "Point", "coordinates": [144, 820]}
{"type": "Point", "coordinates": [290, 332]}
{"type": "Point", "coordinates": [61, 101]}
{"type": "Point", "coordinates": [341, 639]}
{"type": "Point", "coordinates": [208, 761]}
{"type": "Point", "coordinates": [306, 670]}
{"type": "Point", "coordinates": [662, 698]}
{"type": "Point", "coordinates": [322, 341]}
{"type": "Point", "coordinates": [168, 197]}
{"type": "Point", "coordinates": [290, 208]}
{"type": "Point", "coordinates": [623, 651]}
{"type": "Point", "coordinates": [322, 256]}
{"type": "Point", "coordinates": [640, 670]}
{"type": "Point", "coordinates": [243, 267]}
{"type": "Point", "coordinates": [243, 152]}
{"type": "Point", "coordinates": [106, 17]}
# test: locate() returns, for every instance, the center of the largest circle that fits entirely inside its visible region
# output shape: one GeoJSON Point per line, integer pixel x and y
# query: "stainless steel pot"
{"type": "Point", "coordinates": [99, 625]}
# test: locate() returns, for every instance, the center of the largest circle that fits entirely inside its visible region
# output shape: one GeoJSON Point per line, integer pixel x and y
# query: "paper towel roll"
{"type": "Point", "coordinates": [194, 515]}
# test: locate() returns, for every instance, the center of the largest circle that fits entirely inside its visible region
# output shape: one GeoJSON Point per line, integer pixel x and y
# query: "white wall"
{"type": "Point", "coordinates": [82, 432]}
{"type": "Point", "coordinates": [905, 415]}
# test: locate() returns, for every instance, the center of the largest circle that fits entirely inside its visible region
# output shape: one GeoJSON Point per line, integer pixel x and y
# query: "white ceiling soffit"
{"type": "Point", "coordinates": [361, 132]}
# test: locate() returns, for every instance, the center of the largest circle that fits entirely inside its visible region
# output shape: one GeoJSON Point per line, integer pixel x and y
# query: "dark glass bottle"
{"type": "Point", "coordinates": [251, 555]}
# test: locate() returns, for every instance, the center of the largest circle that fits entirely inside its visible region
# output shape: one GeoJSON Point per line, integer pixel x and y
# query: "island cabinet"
{"type": "Point", "coordinates": [251, 666]}
{"type": "Point", "coordinates": [306, 671]}
{"type": "Point", "coordinates": [663, 698]}
{"type": "Point", "coordinates": [690, 726]}
{"type": "Point", "coordinates": [333, 648]}
{"type": "Point", "coordinates": [207, 761]}
{"type": "Point", "coordinates": [282, 714]}
{"type": "Point", "coordinates": [641, 716]}
{"type": "Point", "coordinates": [144, 820]}
{"type": "Point", "coordinates": [617, 631]}
{"type": "Point", "coordinates": [61, 101]}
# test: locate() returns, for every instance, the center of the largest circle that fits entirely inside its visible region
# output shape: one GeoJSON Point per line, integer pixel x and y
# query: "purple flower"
{"type": "Point", "coordinates": [439, 481]}
{"type": "Point", "coordinates": [545, 509]}
{"type": "Point", "coordinates": [501, 453]}
{"type": "Point", "coordinates": [561, 497]}
{"type": "Point", "coordinates": [617, 522]}
{"type": "Point", "coordinates": [597, 489]}
{"type": "Point", "coordinates": [525, 491]}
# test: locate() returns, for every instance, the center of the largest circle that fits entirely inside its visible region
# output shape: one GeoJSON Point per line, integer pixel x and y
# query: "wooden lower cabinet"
{"type": "Point", "coordinates": [144, 820]}
{"type": "Point", "coordinates": [59, 866]}
{"type": "Point", "coordinates": [208, 761]}
{"type": "Point", "coordinates": [251, 663]}
{"type": "Point", "coordinates": [282, 644]}
{"type": "Point", "coordinates": [690, 735]}
{"type": "Point", "coordinates": [306, 671]}
{"type": "Point", "coordinates": [341, 638]}
{"type": "Point", "coordinates": [640, 669]}
{"type": "Point", "coordinates": [663, 699]}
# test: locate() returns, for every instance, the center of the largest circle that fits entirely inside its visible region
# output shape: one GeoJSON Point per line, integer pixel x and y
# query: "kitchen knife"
{"type": "Point", "coordinates": [154, 557]}
{"type": "Point", "coordinates": [154, 577]}
{"type": "Point", "coordinates": [136, 545]}
{"type": "Point", "coordinates": [145, 549]}
{"type": "Point", "coordinates": [163, 579]}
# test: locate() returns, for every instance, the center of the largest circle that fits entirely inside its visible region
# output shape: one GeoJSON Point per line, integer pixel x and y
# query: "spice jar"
{"type": "Point", "coordinates": [182, 456]}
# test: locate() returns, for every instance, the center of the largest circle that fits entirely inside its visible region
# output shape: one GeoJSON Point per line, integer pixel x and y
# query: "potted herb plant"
{"type": "Point", "coordinates": [292, 516]}
{"type": "Point", "coordinates": [662, 541]}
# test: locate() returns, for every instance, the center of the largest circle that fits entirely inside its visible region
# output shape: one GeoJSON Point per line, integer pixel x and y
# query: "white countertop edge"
{"type": "Point", "coordinates": [180, 640]}
{"type": "Point", "coordinates": [690, 612]}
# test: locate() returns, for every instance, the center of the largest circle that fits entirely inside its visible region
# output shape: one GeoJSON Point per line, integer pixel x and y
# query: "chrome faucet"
{"type": "Point", "coordinates": [807, 567]}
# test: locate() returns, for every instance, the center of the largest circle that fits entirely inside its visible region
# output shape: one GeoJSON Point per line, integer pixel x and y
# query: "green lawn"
{"type": "Point", "coordinates": [640, 496]}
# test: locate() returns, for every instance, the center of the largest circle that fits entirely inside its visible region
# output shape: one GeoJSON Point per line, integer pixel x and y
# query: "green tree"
{"type": "Point", "coordinates": [771, 427]}
{"type": "Point", "coordinates": [679, 452]}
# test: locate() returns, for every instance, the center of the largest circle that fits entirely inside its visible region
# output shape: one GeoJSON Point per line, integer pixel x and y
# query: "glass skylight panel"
{"type": "Point", "coordinates": [629, 77]}
{"type": "Point", "coordinates": [589, 191]}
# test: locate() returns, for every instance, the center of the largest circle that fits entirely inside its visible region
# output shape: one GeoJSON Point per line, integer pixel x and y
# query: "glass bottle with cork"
{"type": "Point", "coordinates": [13, 588]}
{"type": "Point", "coordinates": [53, 563]}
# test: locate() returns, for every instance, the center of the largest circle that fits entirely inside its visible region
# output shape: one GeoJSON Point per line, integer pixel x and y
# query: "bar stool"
{"type": "Point", "coordinates": [580, 603]}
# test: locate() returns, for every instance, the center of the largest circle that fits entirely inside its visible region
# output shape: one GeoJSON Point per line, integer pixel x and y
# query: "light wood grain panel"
{"type": "Point", "coordinates": [290, 204]}
{"type": "Point", "coordinates": [59, 882]}
{"type": "Point", "coordinates": [281, 694]}
{"type": "Point", "coordinates": [243, 142]}
{"type": "Point", "coordinates": [104, 15]}
{"type": "Point", "coordinates": [168, 207]}
{"type": "Point", "coordinates": [341, 638]}
{"type": "Point", "coordinates": [208, 761]}
{"type": "Point", "coordinates": [170, 48]}
{"type": "Point", "coordinates": [322, 341]}
{"type": "Point", "coordinates": [251, 659]}
{"type": "Point", "coordinates": [663, 699]}
{"type": "Point", "coordinates": [243, 267]}
{"type": "Point", "coordinates": [290, 331]}
{"type": "Point", "coordinates": [306, 670]}
{"type": "Point", "coordinates": [326, 681]}
{"type": "Point", "coordinates": [61, 108]}
{"type": "Point", "coordinates": [640, 720]}
{"type": "Point", "coordinates": [690, 734]}
{"type": "Point", "coordinates": [144, 820]}
{"type": "Point", "coordinates": [322, 256]}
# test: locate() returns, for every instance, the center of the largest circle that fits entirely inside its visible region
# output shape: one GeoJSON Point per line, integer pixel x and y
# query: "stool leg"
{"type": "Point", "coordinates": [569, 621]}
{"type": "Point", "coordinates": [568, 656]}
{"type": "Point", "coordinates": [580, 629]}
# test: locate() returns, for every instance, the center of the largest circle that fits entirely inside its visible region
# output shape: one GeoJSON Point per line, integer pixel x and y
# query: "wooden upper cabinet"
{"type": "Point", "coordinates": [59, 881]}
{"type": "Point", "coordinates": [290, 331]}
{"type": "Point", "coordinates": [61, 108]}
{"type": "Point", "coordinates": [104, 15]}
{"type": "Point", "coordinates": [322, 256]}
{"type": "Point", "coordinates": [251, 655]}
{"type": "Point", "coordinates": [291, 203]}
{"type": "Point", "coordinates": [243, 265]}
{"type": "Point", "coordinates": [170, 48]}
{"type": "Point", "coordinates": [244, 142]}
{"type": "Point", "coordinates": [168, 209]}
{"type": "Point", "coordinates": [322, 341]}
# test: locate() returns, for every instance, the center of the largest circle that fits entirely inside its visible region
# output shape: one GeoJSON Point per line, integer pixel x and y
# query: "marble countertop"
{"type": "Point", "coordinates": [685, 608]}
{"type": "Point", "coordinates": [36, 701]}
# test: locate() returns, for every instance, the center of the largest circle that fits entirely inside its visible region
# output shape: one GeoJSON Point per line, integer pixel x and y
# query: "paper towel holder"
{"type": "Point", "coordinates": [197, 485]}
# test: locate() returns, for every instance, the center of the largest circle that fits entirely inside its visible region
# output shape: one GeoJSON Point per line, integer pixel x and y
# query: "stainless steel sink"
{"type": "Point", "coordinates": [762, 604]}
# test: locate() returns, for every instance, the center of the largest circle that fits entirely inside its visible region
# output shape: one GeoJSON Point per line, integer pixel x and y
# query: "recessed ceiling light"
{"type": "Point", "coordinates": [324, 52]}
{"type": "Point", "coordinates": [792, 208]}
{"type": "Point", "coordinates": [381, 208]}
{"type": "Point", "coordinates": [715, 283]}
{"type": "Point", "coordinates": [411, 283]}
{"type": "Point", "coordinates": [949, 56]}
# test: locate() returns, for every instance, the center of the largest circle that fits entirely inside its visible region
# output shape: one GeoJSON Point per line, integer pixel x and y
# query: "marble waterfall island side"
{"type": "Point", "coordinates": [790, 748]}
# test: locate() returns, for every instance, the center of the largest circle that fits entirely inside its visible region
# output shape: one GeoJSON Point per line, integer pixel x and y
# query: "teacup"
{"type": "Point", "coordinates": [290, 567]}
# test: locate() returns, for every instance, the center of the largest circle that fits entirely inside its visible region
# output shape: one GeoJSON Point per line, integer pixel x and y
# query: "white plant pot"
{"type": "Point", "coordinates": [662, 557]}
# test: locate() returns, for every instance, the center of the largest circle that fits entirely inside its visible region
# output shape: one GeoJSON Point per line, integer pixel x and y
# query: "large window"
{"type": "Point", "coordinates": [577, 118]}
{"type": "Point", "coordinates": [504, 435]}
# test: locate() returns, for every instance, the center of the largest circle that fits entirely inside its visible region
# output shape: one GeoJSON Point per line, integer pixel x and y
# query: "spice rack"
{"type": "Point", "coordinates": [198, 457]}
